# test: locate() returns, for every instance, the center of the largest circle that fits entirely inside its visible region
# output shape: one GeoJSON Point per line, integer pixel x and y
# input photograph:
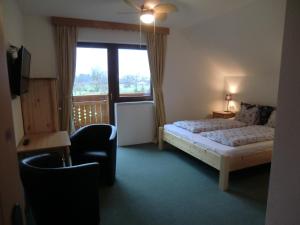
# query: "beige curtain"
{"type": "Point", "coordinates": [66, 41]}
{"type": "Point", "coordinates": [156, 44]}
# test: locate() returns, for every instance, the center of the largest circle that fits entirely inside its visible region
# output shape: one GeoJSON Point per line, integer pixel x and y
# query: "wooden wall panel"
{"type": "Point", "coordinates": [39, 107]}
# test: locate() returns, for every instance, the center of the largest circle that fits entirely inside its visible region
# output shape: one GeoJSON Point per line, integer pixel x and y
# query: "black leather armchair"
{"type": "Point", "coordinates": [96, 143]}
{"type": "Point", "coordinates": [61, 195]}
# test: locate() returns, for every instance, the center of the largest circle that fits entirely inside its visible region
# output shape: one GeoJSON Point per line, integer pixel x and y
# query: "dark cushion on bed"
{"type": "Point", "coordinates": [264, 113]}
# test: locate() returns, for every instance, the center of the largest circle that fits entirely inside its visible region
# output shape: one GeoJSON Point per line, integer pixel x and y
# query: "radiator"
{"type": "Point", "coordinates": [135, 122]}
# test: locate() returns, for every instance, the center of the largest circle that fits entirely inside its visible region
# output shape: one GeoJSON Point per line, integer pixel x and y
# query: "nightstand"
{"type": "Point", "coordinates": [222, 114]}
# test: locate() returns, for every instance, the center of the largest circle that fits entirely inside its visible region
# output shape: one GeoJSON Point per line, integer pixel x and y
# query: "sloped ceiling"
{"type": "Point", "coordinates": [191, 12]}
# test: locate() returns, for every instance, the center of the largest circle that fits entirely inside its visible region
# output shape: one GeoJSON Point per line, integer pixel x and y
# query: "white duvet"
{"type": "Point", "coordinates": [197, 126]}
{"type": "Point", "coordinates": [241, 136]}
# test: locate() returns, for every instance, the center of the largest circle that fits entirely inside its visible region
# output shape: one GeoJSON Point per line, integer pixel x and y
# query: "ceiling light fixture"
{"type": "Point", "coordinates": [147, 17]}
{"type": "Point", "coordinates": [151, 10]}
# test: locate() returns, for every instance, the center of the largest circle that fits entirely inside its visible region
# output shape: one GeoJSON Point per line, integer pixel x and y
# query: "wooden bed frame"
{"type": "Point", "coordinates": [225, 164]}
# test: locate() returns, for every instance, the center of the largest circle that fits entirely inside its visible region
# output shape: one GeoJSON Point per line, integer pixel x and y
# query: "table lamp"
{"type": "Point", "coordinates": [228, 98]}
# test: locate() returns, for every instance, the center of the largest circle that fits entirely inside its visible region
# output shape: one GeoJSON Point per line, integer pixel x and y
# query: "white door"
{"type": "Point", "coordinates": [10, 184]}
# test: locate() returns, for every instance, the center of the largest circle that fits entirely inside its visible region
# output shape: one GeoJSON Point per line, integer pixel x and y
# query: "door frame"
{"type": "Point", "coordinates": [11, 191]}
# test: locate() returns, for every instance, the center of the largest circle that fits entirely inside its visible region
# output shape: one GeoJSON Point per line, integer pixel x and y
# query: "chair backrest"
{"type": "Point", "coordinates": [61, 195]}
{"type": "Point", "coordinates": [93, 136]}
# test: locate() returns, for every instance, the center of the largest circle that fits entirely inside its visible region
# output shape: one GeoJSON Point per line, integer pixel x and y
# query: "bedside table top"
{"type": "Point", "coordinates": [223, 112]}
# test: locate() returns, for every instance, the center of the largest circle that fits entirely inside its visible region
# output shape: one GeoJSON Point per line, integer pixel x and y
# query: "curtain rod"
{"type": "Point", "coordinates": [107, 25]}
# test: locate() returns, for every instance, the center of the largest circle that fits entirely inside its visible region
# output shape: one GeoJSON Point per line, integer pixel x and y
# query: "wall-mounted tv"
{"type": "Point", "coordinates": [18, 61]}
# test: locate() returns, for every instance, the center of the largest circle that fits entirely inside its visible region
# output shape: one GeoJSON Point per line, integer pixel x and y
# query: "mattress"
{"type": "Point", "coordinates": [209, 145]}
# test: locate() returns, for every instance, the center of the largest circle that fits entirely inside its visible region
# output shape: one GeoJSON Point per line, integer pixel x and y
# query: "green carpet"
{"type": "Point", "coordinates": [156, 187]}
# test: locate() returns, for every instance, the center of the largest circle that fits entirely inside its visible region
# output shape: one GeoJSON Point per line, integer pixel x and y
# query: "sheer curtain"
{"type": "Point", "coordinates": [66, 42]}
{"type": "Point", "coordinates": [157, 44]}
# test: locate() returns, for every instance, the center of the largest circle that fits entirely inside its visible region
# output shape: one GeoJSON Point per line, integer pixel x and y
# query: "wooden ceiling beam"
{"type": "Point", "coordinates": [107, 25]}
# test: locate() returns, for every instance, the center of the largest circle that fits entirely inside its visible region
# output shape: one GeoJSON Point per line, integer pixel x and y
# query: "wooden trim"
{"type": "Point", "coordinates": [53, 99]}
{"type": "Point", "coordinates": [241, 162]}
{"type": "Point", "coordinates": [89, 98]}
{"type": "Point", "coordinates": [110, 45]}
{"type": "Point", "coordinates": [211, 158]}
{"type": "Point", "coordinates": [225, 164]}
{"type": "Point", "coordinates": [107, 25]}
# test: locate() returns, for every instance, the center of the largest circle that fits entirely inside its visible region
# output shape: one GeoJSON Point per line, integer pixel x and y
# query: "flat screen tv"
{"type": "Point", "coordinates": [19, 70]}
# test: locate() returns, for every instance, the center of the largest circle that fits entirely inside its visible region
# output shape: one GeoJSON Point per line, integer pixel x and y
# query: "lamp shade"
{"type": "Point", "coordinates": [228, 97]}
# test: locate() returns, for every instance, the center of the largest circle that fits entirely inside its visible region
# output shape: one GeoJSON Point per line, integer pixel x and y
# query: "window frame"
{"type": "Point", "coordinates": [113, 69]}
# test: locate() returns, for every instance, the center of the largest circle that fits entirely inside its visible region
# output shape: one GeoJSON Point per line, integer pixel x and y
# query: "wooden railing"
{"type": "Point", "coordinates": [90, 109]}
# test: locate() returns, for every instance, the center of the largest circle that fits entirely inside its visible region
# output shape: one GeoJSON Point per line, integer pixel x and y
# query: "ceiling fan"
{"type": "Point", "coordinates": [152, 10]}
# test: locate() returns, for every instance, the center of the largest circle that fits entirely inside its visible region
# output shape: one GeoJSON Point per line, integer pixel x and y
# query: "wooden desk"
{"type": "Point", "coordinates": [47, 142]}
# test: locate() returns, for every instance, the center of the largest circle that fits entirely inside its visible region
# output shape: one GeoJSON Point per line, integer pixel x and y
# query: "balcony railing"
{"type": "Point", "coordinates": [91, 109]}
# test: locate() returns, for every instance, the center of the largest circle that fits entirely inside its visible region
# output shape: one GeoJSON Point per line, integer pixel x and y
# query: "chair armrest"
{"type": "Point", "coordinates": [113, 135]}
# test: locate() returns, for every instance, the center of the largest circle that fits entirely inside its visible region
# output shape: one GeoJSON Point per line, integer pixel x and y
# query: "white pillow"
{"type": "Point", "coordinates": [247, 115]}
{"type": "Point", "coordinates": [272, 120]}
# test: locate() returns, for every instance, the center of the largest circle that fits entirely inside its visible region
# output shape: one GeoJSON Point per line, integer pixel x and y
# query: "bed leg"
{"type": "Point", "coordinates": [224, 173]}
{"type": "Point", "coordinates": [160, 138]}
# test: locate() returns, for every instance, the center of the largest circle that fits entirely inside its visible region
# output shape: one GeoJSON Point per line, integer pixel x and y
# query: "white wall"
{"type": "Point", "coordinates": [243, 43]}
{"type": "Point", "coordinates": [13, 31]}
{"type": "Point", "coordinates": [284, 193]}
{"type": "Point", "coordinates": [135, 122]}
{"type": "Point", "coordinates": [39, 40]}
{"type": "Point", "coordinates": [189, 91]}
{"type": "Point", "coordinates": [13, 22]}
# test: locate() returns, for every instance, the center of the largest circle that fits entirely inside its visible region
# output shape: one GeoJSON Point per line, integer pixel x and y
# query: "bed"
{"type": "Point", "coordinates": [223, 158]}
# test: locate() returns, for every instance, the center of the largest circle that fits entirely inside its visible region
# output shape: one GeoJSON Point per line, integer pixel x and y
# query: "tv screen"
{"type": "Point", "coordinates": [24, 69]}
{"type": "Point", "coordinates": [19, 69]}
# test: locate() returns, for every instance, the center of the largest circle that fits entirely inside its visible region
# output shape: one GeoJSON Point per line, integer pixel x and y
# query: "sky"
{"type": "Point", "coordinates": [130, 61]}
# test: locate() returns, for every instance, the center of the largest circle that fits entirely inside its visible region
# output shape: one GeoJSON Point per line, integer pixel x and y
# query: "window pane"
{"type": "Point", "coordinates": [91, 72]}
{"type": "Point", "coordinates": [134, 73]}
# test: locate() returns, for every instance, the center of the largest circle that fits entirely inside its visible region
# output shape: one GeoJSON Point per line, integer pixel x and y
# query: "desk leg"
{"type": "Point", "coordinates": [67, 156]}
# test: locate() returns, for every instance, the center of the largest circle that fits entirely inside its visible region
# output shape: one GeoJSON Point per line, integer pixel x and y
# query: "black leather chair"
{"type": "Point", "coordinates": [61, 195]}
{"type": "Point", "coordinates": [96, 143]}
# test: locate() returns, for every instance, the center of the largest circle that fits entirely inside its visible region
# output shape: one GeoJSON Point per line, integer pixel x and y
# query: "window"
{"type": "Point", "coordinates": [91, 76]}
{"type": "Point", "coordinates": [105, 74]}
{"type": "Point", "coordinates": [134, 73]}
{"type": "Point", "coordinates": [116, 70]}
